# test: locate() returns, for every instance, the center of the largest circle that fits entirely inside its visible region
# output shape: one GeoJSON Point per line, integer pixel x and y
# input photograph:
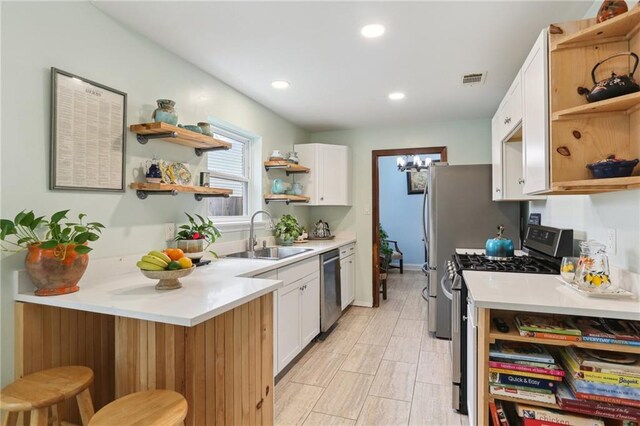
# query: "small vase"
{"type": "Point", "coordinates": [193, 249]}
{"type": "Point", "coordinates": [165, 112]}
{"type": "Point", "coordinates": [52, 275]}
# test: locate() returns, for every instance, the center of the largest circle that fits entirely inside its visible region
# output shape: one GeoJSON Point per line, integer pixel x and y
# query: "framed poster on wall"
{"type": "Point", "coordinates": [416, 182]}
{"type": "Point", "coordinates": [88, 134]}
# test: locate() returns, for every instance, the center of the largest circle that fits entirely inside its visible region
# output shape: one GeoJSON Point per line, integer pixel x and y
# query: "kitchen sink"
{"type": "Point", "coordinates": [270, 253]}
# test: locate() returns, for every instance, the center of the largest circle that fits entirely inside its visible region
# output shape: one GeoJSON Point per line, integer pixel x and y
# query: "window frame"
{"type": "Point", "coordinates": [253, 176]}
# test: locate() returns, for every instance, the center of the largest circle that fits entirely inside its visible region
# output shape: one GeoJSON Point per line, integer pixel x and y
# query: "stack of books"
{"type": "Point", "coordinates": [523, 370]}
{"type": "Point", "coordinates": [601, 382]}
{"type": "Point", "coordinates": [609, 331]}
{"type": "Point", "coordinates": [547, 328]}
{"type": "Point", "coordinates": [538, 416]}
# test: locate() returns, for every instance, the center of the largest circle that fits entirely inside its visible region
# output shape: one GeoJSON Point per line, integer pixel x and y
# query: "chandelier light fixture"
{"type": "Point", "coordinates": [413, 163]}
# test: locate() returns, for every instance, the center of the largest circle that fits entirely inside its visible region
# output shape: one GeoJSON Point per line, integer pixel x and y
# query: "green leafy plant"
{"type": "Point", "coordinates": [288, 228]}
{"type": "Point", "coordinates": [25, 230]}
{"type": "Point", "coordinates": [383, 244]}
{"type": "Point", "coordinates": [199, 229]}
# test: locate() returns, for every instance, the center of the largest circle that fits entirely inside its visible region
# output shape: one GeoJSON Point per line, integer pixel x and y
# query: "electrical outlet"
{"type": "Point", "coordinates": [169, 231]}
{"type": "Point", "coordinates": [611, 241]}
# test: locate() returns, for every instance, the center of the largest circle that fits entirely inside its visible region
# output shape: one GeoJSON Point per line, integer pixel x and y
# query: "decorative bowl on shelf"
{"type": "Point", "coordinates": [612, 168]}
{"type": "Point", "coordinates": [168, 280]}
{"type": "Point", "coordinates": [191, 127]}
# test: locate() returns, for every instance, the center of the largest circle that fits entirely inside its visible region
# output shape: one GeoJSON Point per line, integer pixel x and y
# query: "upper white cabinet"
{"type": "Point", "coordinates": [508, 128]}
{"type": "Point", "coordinates": [329, 181]}
{"type": "Point", "coordinates": [496, 157]}
{"type": "Point", "coordinates": [535, 135]}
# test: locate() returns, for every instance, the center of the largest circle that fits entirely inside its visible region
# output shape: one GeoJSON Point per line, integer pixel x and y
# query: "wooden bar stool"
{"type": "Point", "coordinates": [39, 391]}
{"type": "Point", "coordinates": [146, 408]}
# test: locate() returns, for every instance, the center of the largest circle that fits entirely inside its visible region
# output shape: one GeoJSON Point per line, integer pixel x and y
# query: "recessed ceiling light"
{"type": "Point", "coordinates": [372, 30]}
{"type": "Point", "coordinates": [280, 84]}
{"type": "Point", "coordinates": [396, 96]}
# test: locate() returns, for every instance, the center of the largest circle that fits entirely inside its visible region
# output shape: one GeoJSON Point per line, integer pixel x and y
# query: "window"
{"type": "Point", "coordinates": [231, 169]}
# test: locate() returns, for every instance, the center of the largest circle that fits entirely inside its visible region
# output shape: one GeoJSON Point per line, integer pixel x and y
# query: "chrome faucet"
{"type": "Point", "coordinates": [252, 236]}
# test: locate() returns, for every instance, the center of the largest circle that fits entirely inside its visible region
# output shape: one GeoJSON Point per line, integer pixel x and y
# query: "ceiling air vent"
{"type": "Point", "coordinates": [473, 79]}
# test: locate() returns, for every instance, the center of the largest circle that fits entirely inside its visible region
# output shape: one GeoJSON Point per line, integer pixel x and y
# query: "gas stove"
{"type": "Point", "coordinates": [544, 247]}
{"type": "Point", "coordinates": [521, 264]}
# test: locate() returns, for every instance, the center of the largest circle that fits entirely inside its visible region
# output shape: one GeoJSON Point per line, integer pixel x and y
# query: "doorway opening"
{"type": "Point", "coordinates": [397, 205]}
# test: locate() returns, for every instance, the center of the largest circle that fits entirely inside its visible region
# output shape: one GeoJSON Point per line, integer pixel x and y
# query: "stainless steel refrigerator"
{"type": "Point", "coordinates": [458, 212]}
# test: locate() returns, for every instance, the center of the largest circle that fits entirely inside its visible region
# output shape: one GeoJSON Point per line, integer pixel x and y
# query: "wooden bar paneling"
{"type": "Point", "coordinates": [48, 337]}
{"type": "Point", "coordinates": [223, 367]}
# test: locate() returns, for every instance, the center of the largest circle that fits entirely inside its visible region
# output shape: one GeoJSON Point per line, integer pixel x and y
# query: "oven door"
{"type": "Point", "coordinates": [456, 342]}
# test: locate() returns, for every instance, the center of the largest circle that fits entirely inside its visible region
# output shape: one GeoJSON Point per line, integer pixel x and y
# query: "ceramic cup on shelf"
{"type": "Point", "coordinates": [205, 128]}
{"type": "Point", "coordinates": [165, 112]}
{"type": "Point", "coordinates": [277, 187]}
{"type": "Point", "coordinates": [276, 155]}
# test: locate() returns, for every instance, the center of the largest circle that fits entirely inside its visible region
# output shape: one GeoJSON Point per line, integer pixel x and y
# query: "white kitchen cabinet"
{"type": "Point", "coordinates": [289, 342]}
{"type": "Point", "coordinates": [310, 313]}
{"type": "Point", "coordinates": [507, 156]}
{"type": "Point", "coordinates": [535, 117]}
{"type": "Point", "coordinates": [297, 309]}
{"type": "Point", "coordinates": [496, 157]}
{"type": "Point", "coordinates": [329, 181]}
{"type": "Point", "coordinates": [347, 275]}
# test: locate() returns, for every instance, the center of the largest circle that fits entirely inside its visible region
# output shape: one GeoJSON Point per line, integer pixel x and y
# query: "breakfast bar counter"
{"type": "Point", "coordinates": [211, 340]}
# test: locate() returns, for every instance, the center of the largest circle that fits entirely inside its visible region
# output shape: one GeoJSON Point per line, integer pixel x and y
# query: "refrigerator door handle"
{"type": "Point", "coordinates": [425, 237]}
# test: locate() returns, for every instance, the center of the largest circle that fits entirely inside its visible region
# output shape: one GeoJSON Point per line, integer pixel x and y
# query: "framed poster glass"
{"type": "Point", "coordinates": [88, 134]}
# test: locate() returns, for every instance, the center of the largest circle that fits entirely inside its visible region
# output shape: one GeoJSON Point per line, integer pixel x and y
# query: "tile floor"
{"type": "Point", "coordinates": [378, 367]}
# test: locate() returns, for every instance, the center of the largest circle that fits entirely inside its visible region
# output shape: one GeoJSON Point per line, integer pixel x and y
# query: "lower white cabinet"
{"type": "Point", "coordinates": [298, 317]}
{"type": "Point", "coordinates": [310, 309]}
{"type": "Point", "coordinates": [347, 280]}
{"type": "Point", "coordinates": [289, 327]}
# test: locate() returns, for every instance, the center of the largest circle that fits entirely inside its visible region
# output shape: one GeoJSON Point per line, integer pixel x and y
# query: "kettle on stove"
{"type": "Point", "coordinates": [321, 230]}
{"type": "Point", "coordinates": [499, 248]}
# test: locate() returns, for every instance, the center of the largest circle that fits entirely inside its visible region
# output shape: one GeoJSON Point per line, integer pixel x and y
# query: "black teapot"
{"type": "Point", "coordinates": [614, 86]}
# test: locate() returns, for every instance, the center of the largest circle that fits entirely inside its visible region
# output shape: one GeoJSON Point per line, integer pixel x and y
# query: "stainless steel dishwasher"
{"type": "Point", "coordinates": [330, 301]}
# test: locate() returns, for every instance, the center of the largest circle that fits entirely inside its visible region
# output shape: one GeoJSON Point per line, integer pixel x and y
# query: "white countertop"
{"type": "Point", "coordinates": [542, 293]}
{"type": "Point", "coordinates": [208, 292]}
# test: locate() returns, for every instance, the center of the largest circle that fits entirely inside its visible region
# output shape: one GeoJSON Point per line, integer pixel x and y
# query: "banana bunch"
{"type": "Point", "coordinates": [154, 261]}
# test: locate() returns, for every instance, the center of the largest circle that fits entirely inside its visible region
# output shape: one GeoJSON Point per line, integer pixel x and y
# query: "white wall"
{"type": "Point", "coordinates": [467, 142]}
{"type": "Point", "coordinates": [77, 37]}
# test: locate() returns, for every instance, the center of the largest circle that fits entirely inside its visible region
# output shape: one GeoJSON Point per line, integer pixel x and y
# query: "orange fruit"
{"type": "Point", "coordinates": [174, 253]}
{"type": "Point", "coordinates": [185, 263]}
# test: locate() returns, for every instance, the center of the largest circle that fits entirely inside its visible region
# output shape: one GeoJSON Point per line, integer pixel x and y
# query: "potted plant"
{"type": "Point", "coordinates": [56, 261]}
{"type": "Point", "coordinates": [193, 236]}
{"type": "Point", "coordinates": [287, 230]}
{"type": "Point", "coordinates": [383, 244]}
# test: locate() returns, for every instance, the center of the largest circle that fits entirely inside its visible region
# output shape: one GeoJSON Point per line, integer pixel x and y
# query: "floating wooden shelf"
{"type": "Point", "coordinates": [286, 166]}
{"type": "Point", "coordinates": [513, 336]}
{"type": "Point", "coordinates": [597, 185]}
{"type": "Point", "coordinates": [620, 28]}
{"type": "Point", "coordinates": [622, 104]}
{"type": "Point", "coordinates": [175, 134]}
{"type": "Point", "coordinates": [143, 190]}
{"type": "Point", "coordinates": [285, 198]}
{"type": "Point", "coordinates": [524, 401]}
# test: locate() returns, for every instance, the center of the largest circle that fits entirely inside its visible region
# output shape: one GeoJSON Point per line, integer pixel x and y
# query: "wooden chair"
{"type": "Point", "coordinates": [145, 408]}
{"type": "Point", "coordinates": [397, 255]}
{"type": "Point", "coordinates": [41, 391]}
{"type": "Point", "coordinates": [383, 269]}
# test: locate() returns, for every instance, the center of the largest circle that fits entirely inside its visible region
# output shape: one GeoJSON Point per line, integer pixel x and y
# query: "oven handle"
{"type": "Point", "coordinates": [446, 293]}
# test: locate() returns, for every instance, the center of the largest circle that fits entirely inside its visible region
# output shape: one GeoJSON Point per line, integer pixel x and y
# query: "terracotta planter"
{"type": "Point", "coordinates": [52, 275]}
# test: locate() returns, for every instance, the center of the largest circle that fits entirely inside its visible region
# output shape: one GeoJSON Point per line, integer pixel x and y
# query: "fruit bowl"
{"type": "Point", "coordinates": [168, 279]}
